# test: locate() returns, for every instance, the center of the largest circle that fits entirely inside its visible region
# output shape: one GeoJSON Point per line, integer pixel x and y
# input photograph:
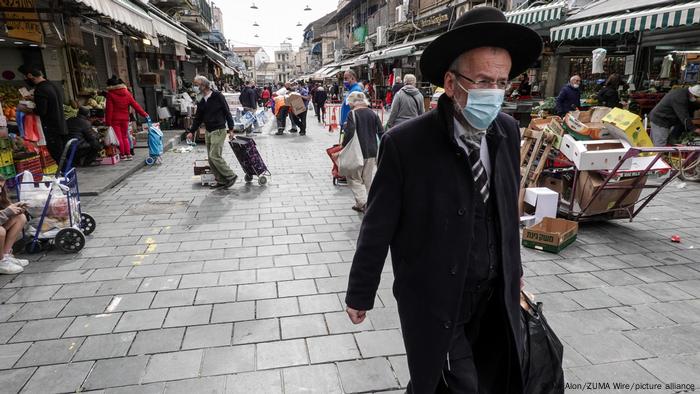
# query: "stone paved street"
{"type": "Point", "coordinates": [184, 289]}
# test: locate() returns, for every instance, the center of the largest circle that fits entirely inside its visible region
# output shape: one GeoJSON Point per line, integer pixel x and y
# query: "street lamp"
{"type": "Point", "coordinates": [298, 23]}
{"type": "Point", "coordinates": [255, 7]}
{"type": "Point", "coordinates": [255, 24]}
{"type": "Point", "coordinates": [307, 8]}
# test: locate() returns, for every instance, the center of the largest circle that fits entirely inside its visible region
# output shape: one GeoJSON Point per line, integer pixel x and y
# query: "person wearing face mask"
{"type": "Point", "coordinates": [444, 200]}
{"type": "Point", "coordinates": [351, 85]}
{"type": "Point", "coordinates": [49, 107]}
{"type": "Point", "coordinates": [569, 97]}
{"type": "Point", "coordinates": [674, 112]}
{"type": "Point", "coordinates": [214, 113]}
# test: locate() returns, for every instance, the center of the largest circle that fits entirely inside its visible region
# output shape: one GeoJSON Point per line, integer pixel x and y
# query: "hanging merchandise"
{"type": "Point", "coordinates": [666, 66]}
{"type": "Point", "coordinates": [599, 60]}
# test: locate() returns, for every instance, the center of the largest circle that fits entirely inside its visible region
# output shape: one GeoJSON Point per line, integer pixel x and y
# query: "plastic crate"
{"type": "Point", "coordinates": [8, 172]}
{"type": "Point", "coordinates": [45, 157]}
{"type": "Point", "coordinates": [31, 164]}
{"type": "Point", "coordinates": [6, 158]}
{"type": "Point", "coordinates": [52, 169]}
{"type": "Point", "coordinates": [5, 143]}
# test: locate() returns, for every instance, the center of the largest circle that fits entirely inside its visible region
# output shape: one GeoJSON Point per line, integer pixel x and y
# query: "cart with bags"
{"type": "Point", "coordinates": [250, 160]}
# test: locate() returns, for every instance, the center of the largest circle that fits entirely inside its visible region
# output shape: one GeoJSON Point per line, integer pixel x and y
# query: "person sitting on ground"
{"type": "Point", "coordinates": [80, 128]}
{"type": "Point", "coordinates": [12, 221]}
{"type": "Point", "coordinates": [407, 104]}
{"type": "Point", "coordinates": [366, 124]}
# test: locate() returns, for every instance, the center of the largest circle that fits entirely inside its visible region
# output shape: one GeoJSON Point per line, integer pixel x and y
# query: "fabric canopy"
{"type": "Point", "coordinates": [657, 18]}
{"type": "Point", "coordinates": [538, 14]}
{"type": "Point", "coordinates": [166, 29]}
{"type": "Point", "coordinates": [123, 12]}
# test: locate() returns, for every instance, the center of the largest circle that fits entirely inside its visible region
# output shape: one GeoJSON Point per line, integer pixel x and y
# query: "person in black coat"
{"type": "Point", "coordinates": [608, 96]}
{"type": "Point", "coordinates": [445, 201]}
{"type": "Point", "coordinates": [249, 98]}
{"type": "Point", "coordinates": [80, 128]}
{"type": "Point", "coordinates": [320, 97]}
{"type": "Point", "coordinates": [569, 98]}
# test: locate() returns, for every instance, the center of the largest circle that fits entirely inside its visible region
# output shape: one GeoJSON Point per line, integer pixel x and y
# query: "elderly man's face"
{"type": "Point", "coordinates": [480, 68]}
{"type": "Point", "coordinates": [576, 80]}
{"type": "Point", "coordinates": [347, 77]}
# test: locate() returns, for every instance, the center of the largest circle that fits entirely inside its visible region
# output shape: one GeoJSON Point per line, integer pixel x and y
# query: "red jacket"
{"type": "Point", "coordinates": [118, 101]}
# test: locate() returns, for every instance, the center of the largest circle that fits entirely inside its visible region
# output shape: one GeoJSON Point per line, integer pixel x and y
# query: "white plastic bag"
{"type": "Point", "coordinates": [111, 137]}
{"type": "Point", "coordinates": [350, 159]}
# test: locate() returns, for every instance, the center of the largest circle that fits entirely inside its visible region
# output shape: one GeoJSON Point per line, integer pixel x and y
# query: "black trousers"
{"type": "Point", "coordinates": [282, 118]}
{"type": "Point", "coordinates": [55, 144]}
{"type": "Point", "coordinates": [85, 155]}
{"type": "Point", "coordinates": [320, 111]}
{"type": "Point", "coordinates": [299, 121]}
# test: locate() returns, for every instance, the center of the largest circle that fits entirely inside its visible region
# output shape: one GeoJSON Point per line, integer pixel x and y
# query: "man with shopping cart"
{"type": "Point", "coordinates": [214, 113]}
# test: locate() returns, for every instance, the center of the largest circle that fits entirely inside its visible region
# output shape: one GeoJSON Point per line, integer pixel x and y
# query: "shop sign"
{"type": "Point", "coordinates": [16, 26]}
{"type": "Point", "coordinates": [435, 21]}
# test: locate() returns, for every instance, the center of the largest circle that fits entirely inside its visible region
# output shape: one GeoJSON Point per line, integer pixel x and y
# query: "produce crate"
{"type": "Point", "coordinates": [6, 158]}
{"type": "Point", "coordinates": [52, 169]}
{"type": "Point", "coordinates": [32, 164]}
{"type": "Point", "coordinates": [45, 157]}
{"type": "Point", "coordinates": [5, 143]}
{"type": "Point", "coordinates": [8, 172]}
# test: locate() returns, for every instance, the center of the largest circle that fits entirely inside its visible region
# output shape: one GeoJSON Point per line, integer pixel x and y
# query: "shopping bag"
{"type": "Point", "coordinates": [111, 137]}
{"type": "Point", "coordinates": [542, 351]}
{"type": "Point", "coordinates": [350, 159]}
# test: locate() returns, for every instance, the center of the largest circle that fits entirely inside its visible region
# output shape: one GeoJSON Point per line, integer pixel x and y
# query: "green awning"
{"type": "Point", "coordinates": [658, 18]}
{"type": "Point", "coordinates": [538, 14]}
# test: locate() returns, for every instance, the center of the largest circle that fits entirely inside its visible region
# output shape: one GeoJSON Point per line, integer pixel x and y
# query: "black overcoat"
{"type": "Point", "coordinates": [421, 204]}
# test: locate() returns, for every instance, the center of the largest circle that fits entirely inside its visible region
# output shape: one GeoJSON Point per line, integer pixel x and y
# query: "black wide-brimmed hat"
{"type": "Point", "coordinates": [480, 27]}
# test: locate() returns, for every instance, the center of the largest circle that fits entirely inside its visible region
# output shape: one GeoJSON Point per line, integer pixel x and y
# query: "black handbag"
{"type": "Point", "coordinates": [542, 353]}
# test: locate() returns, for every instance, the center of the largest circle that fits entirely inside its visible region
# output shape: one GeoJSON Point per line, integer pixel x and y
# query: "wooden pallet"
{"type": "Point", "coordinates": [536, 148]}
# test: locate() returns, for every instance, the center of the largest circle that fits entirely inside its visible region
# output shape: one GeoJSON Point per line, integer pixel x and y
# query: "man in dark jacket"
{"type": "Point", "coordinates": [248, 98]}
{"type": "Point", "coordinates": [49, 107]}
{"type": "Point", "coordinates": [673, 111]}
{"type": "Point", "coordinates": [80, 128]}
{"type": "Point", "coordinates": [214, 113]}
{"type": "Point", "coordinates": [569, 98]}
{"type": "Point", "coordinates": [445, 200]}
{"type": "Point", "coordinates": [320, 97]}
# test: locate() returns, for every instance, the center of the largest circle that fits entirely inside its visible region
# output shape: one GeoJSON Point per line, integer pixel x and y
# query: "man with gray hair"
{"type": "Point", "coordinates": [214, 113]}
{"type": "Point", "coordinates": [407, 104]}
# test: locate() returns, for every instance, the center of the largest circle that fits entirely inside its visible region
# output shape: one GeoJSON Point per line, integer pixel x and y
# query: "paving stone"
{"type": "Point", "coordinates": [58, 378]}
{"type": "Point", "coordinates": [7, 310]}
{"type": "Point", "coordinates": [281, 354]}
{"type": "Point", "coordinates": [233, 311]}
{"type": "Point", "coordinates": [189, 267]}
{"type": "Point", "coordinates": [257, 291]}
{"type": "Point", "coordinates": [210, 295]}
{"type": "Point", "coordinates": [208, 336]}
{"type": "Point", "coordinates": [42, 329]}
{"type": "Point", "coordinates": [12, 380]}
{"type": "Point", "coordinates": [689, 286]}
{"type": "Point", "coordinates": [256, 331]}
{"type": "Point", "coordinates": [332, 348]}
{"type": "Point", "coordinates": [680, 272]}
{"type": "Point", "coordinates": [367, 375]}
{"type": "Point", "coordinates": [237, 277]}
{"type": "Point", "coordinates": [103, 274]}
{"type": "Point", "coordinates": [172, 366]}
{"type": "Point", "coordinates": [596, 321]}
{"type": "Point", "coordinates": [8, 330]}
{"type": "Point", "coordinates": [199, 280]}
{"type": "Point", "coordinates": [130, 302]}
{"type": "Point", "coordinates": [228, 360]}
{"type": "Point", "coordinates": [213, 384]}
{"type": "Point", "coordinates": [303, 326]}
{"type": "Point", "coordinates": [9, 354]}
{"type": "Point", "coordinates": [39, 310]}
{"type": "Point", "coordinates": [339, 323]}
{"type": "Point", "coordinates": [617, 278]}
{"type": "Point", "coordinates": [311, 271]}
{"type": "Point", "coordinates": [333, 285]}
{"type": "Point", "coordinates": [681, 369]}
{"type": "Point", "coordinates": [625, 371]}
{"type": "Point", "coordinates": [642, 316]}
{"type": "Point", "coordinates": [116, 372]}
{"type": "Point", "coordinates": [629, 295]}
{"type": "Point", "coordinates": [77, 290]}
{"type": "Point", "coordinates": [668, 340]}
{"type": "Point", "coordinates": [123, 286]}
{"type": "Point", "coordinates": [548, 284]}
{"type": "Point", "coordinates": [160, 283]}
{"type": "Point", "coordinates": [36, 293]}
{"type": "Point", "coordinates": [268, 382]}
{"type": "Point", "coordinates": [92, 325]}
{"type": "Point", "coordinates": [320, 379]}
{"type": "Point", "coordinates": [86, 306]}
{"type": "Point", "coordinates": [385, 318]}
{"type": "Point", "coordinates": [105, 346]}
{"type": "Point", "coordinates": [188, 316]}
{"type": "Point", "coordinates": [170, 298]}
{"type": "Point", "coordinates": [664, 292]}
{"type": "Point", "coordinates": [637, 260]}
{"type": "Point", "coordinates": [276, 307]}
{"type": "Point", "coordinates": [576, 265]}
{"type": "Point", "coordinates": [141, 320]}
{"type": "Point", "coordinates": [296, 288]}
{"type": "Point", "coordinates": [606, 347]}
{"type": "Point", "coordinates": [649, 274]}
{"type": "Point", "coordinates": [157, 341]}
{"type": "Point", "coordinates": [319, 303]}
{"type": "Point", "coordinates": [592, 298]}
{"type": "Point", "coordinates": [274, 274]}
{"type": "Point", "coordinates": [380, 343]}
{"type": "Point", "coordinates": [400, 366]}
{"type": "Point", "coordinates": [582, 281]}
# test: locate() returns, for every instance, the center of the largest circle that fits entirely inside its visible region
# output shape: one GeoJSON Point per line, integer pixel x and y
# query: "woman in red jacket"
{"type": "Point", "coordinates": [117, 113]}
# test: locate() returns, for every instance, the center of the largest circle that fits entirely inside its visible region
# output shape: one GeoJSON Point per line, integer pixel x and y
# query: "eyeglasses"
{"type": "Point", "coordinates": [484, 84]}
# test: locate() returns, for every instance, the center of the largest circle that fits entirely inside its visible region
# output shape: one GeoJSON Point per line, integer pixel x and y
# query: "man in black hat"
{"type": "Point", "coordinates": [445, 200]}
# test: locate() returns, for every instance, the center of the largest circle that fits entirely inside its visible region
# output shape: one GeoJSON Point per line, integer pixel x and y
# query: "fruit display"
{"type": "Point", "coordinates": [9, 97]}
{"type": "Point", "coordinates": [96, 102]}
{"type": "Point", "coordinates": [69, 111]}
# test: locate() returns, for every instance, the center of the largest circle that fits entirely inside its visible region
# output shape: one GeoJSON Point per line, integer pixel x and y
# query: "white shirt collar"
{"type": "Point", "coordinates": [206, 96]}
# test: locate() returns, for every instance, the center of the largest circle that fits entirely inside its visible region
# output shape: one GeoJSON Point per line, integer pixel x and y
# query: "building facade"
{"type": "Point", "coordinates": [284, 58]}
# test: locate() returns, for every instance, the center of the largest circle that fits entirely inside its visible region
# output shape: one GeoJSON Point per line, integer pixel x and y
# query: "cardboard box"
{"type": "Point", "coordinates": [639, 164]}
{"type": "Point", "coordinates": [544, 200]}
{"type": "Point", "coordinates": [590, 181]}
{"type": "Point", "coordinates": [201, 167]}
{"type": "Point", "coordinates": [295, 101]}
{"type": "Point", "coordinates": [550, 235]}
{"type": "Point", "coordinates": [561, 184]}
{"type": "Point", "coordinates": [628, 126]}
{"type": "Point", "coordinates": [595, 154]}
{"type": "Point", "coordinates": [110, 160]}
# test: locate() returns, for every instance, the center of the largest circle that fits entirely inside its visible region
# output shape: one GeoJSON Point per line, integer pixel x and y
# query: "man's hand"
{"type": "Point", "coordinates": [231, 134]}
{"type": "Point", "coordinates": [356, 316]}
{"type": "Point", "coordinates": [190, 136]}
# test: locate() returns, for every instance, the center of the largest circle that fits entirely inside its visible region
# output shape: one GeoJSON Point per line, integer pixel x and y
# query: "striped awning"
{"type": "Point", "coordinates": [658, 18]}
{"type": "Point", "coordinates": [538, 14]}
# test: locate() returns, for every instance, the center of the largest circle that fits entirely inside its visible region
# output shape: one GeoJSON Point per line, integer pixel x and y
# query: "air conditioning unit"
{"type": "Point", "coordinates": [401, 12]}
{"type": "Point", "coordinates": [381, 36]}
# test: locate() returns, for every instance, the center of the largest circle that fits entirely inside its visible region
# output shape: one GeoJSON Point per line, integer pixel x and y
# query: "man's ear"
{"type": "Point", "coordinates": [449, 84]}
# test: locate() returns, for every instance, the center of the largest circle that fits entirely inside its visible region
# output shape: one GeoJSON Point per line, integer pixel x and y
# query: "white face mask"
{"type": "Point", "coordinates": [575, 86]}
{"type": "Point", "coordinates": [196, 89]}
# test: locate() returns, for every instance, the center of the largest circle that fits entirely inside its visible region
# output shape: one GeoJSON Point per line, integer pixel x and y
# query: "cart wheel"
{"type": "Point", "coordinates": [248, 178]}
{"type": "Point", "coordinates": [262, 180]}
{"type": "Point", "coordinates": [150, 161]}
{"type": "Point", "coordinates": [70, 240]}
{"type": "Point", "coordinates": [87, 223]}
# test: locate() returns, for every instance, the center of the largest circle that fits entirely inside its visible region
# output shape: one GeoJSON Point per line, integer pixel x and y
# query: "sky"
{"type": "Point", "coordinates": [277, 20]}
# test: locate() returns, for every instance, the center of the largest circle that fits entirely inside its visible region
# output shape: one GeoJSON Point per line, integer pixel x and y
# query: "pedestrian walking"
{"type": "Point", "coordinates": [12, 221]}
{"type": "Point", "coordinates": [300, 119]}
{"type": "Point", "coordinates": [119, 99]}
{"type": "Point", "coordinates": [445, 201]}
{"type": "Point", "coordinates": [80, 128]}
{"type": "Point", "coordinates": [48, 100]}
{"type": "Point", "coordinates": [214, 113]}
{"type": "Point", "coordinates": [366, 126]}
{"type": "Point", "coordinates": [407, 104]}
{"type": "Point", "coordinates": [398, 85]}
{"type": "Point", "coordinates": [569, 98]}
{"type": "Point", "coordinates": [351, 85]}
{"type": "Point", "coordinates": [249, 98]}
{"type": "Point", "coordinates": [320, 98]}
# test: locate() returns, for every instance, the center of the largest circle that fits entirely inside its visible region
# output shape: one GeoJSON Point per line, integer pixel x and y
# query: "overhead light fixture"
{"type": "Point", "coordinates": [256, 36]}
{"type": "Point", "coordinates": [33, 45]}
{"type": "Point", "coordinates": [18, 43]}
{"type": "Point", "coordinates": [307, 8]}
{"type": "Point", "coordinates": [255, 7]}
{"type": "Point", "coordinates": [298, 23]}
{"type": "Point", "coordinates": [255, 24]}
{"type": "Point", "coordinates": [289, 38]}
{"type": "Point", "coordinates": [2, 40]}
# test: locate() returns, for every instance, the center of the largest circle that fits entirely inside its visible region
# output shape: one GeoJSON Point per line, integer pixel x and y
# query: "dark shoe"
{"type": "Point", "coordinates": [279, 132]}
{"type": "Point", "coordinates": [358, 209]}
{"type": "Point", "coordinates": [293, 130]}
{"type": "Point", "coordinates": [230, 182]}
{"type": "Point", "coordinates": [302, 133]}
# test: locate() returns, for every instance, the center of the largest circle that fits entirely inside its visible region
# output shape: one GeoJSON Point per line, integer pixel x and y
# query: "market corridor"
{"type": "Point", "coordinates": [187, 289]}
